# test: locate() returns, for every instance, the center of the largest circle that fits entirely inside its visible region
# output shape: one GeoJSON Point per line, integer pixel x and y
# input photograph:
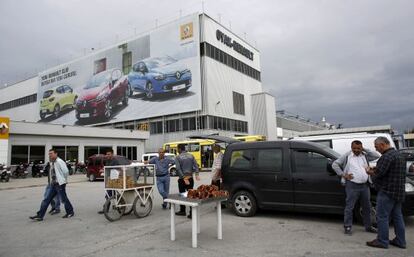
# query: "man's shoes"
{"type": "Point", "coordinates": [180, 213]}
{"type": "Point", "coordinates": [394, 243]}
{"type": "Point", "coordinates": [36, 218]}
{"type": "Point", "coordinates": [371, 230]}
{"type": "Point", "coordinates": [164, 206]}
{"type": "Point", "coordinates": [190, 216]}
{"type": "Point", "coordinates": [348, 231]}
{"type": "Point", "coordinates": [101, 212]}
{"type": "Point", "coordinates": [68, 215]}
{"type": "Point", "coordinates": [54, 212]}
{"type": "Point", "coordinates": [375, 243]}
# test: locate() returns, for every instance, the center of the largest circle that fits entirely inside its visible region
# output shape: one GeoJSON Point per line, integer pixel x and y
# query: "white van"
{"type": "Point", "coordinates": [171, 169]}
{"type": "Point", "coordinates": [341, 143]}
{"type": "Point", "coordinates": [148, 156]}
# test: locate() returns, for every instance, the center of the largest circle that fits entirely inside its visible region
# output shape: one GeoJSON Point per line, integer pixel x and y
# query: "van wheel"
{"type": "Point", "coordinates": [244, 204]}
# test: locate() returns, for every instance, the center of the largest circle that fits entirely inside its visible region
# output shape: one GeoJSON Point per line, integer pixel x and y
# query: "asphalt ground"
{"type": "Point", "coordinates": [269, 233]}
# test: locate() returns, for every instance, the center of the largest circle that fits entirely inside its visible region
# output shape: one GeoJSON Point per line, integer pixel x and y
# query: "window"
{"type": "Point", "coordinates": [238, 103]}
{"type": "Point", "coordinates": [19, 154]}
{"type": "Point", "coordinates": [156, 127]}
{"type": "Point", "coordinates": [18, 102]}
{"type": "Point", "coordinates": [104, 149]}
{"type": "Point", "coordinates": [327, 143]}
{"type": "Point", "coordinates": [269, 159]}
{"type": "Point", "coordinates": [193, 147]}
{"type": "Point", "coordinates": [310, 162]}
{"type": "Point", "coordinates": [126, 62]}
{"type": "Point", "coordinates": [37, 153]}
{"type": "Point", "coordinates": [130, 152]}
{"type": "Point", "coordinates": [89, 151]}
{"type": "Point", "coordinates": [241, 159]}
{"type": "Point", "coordinates": [27, 154]}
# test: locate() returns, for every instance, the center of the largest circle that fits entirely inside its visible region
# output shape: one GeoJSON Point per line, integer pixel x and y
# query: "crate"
{"type": "Point", "coordinates": [129, 176]}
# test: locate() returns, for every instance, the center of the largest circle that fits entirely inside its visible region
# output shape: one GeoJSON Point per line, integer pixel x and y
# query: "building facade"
{"type": "Point", "coordinates": [191, 76]}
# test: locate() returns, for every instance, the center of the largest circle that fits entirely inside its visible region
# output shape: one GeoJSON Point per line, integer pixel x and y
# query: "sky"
{"type": "Point", "coordinates": [349, 61]}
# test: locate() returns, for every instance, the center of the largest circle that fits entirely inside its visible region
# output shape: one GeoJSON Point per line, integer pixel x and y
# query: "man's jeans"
{"type": "Point", "coordinates": [163, 185]}
{"type": "Point", "coordinates": [355, 192]}
{"type": "Point", "coordinates": [55, 203]}
{"type": "Point", "coordinates": [389, 208]}
{"type": "Point", "coordinates": [55, 190]}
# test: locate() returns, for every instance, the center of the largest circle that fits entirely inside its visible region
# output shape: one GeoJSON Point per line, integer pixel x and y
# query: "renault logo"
{"type": "Point", "coordinates": [4, 129]}
{"type": "Point", "coordinates": [178, 75]}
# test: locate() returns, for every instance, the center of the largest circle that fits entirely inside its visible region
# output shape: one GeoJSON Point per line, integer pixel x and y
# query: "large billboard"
{"type": "Point", "coordinates": [155, 74]}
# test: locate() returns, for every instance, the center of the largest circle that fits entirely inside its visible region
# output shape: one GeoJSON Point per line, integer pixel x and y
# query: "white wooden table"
{"type": "Point", "coordinates": [195, 205]}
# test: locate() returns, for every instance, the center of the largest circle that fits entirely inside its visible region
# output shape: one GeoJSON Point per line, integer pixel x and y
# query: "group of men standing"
{"type": "Point", "coordinates": [186, 167]}
{"type": "Point", "coordinates": [388, 178]}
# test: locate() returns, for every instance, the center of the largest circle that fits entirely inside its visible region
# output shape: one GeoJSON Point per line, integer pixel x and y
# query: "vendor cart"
{"type": "Point", "coordinates": [128, 188]}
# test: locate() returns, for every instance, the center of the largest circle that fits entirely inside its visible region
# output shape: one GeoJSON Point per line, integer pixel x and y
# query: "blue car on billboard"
{"type": "Point", "coordinates": [159, 75]}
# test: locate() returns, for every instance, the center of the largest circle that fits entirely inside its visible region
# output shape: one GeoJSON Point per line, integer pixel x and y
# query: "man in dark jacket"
{"type": "Point", "coordinates": [186, 165]}
{"type": "Point", "coordinates": [389, 181]}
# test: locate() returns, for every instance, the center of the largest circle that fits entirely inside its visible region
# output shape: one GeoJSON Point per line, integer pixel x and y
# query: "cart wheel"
{"type": "Point", "coordinates": [142, 210]}
{"type": "Point", "coordinates": [111, 212]}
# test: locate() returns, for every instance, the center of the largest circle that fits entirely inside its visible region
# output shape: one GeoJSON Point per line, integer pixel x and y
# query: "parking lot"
{"type": "Point", "coordinates": [268, 233]}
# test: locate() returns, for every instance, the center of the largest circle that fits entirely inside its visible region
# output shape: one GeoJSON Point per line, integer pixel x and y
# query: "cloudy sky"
{"type": "Point", "coordinates": [350, 61]}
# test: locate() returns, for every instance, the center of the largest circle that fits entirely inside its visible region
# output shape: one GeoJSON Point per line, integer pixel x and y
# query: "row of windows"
{"type": "Point", "coordinates": [238, 103]}
{"type": "Point", "coordinates": [36, 153]}
{"type": "Point", "coordinates": [191, 123]}
{"type": "Point", "coordinates": [272, 160]}
{"type": "Point", "coordinates": [18, 102]}
{"type": "Point", "coordinates": [221, 56]}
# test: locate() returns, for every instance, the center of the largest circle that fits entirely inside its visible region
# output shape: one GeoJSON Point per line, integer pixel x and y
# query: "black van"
{"type": "Point", "coordinates": [287, 175]}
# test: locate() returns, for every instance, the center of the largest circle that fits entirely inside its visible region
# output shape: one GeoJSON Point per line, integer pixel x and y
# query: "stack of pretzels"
{"type": "Point", "coordinates": [206, 191]}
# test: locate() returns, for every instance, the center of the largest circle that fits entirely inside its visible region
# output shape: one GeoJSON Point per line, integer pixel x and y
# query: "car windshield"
{"type": "Point", "coordinates": [157, 62]}
{"type": "Point", "coordinates": [98, 80]}
{"type": "Point", "coordinates": [47, 93]}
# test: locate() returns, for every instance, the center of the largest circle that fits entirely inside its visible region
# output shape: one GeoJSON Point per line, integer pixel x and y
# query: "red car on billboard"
{"type": "Point", "coordinates": [101, 93]}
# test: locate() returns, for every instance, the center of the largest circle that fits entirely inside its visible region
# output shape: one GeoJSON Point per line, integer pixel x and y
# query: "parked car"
{"type": "Point", "coordinates": [101, 93]}
{"type": "Point", "coordinates": [57, 99]}
{"type": "Point", "coordinates": [288, 175]}
{"type": "Point", "coordinates": [408, 155]}
{"type": "Point", "coordinates": [172, 169]}
{"type": "Point", "coordinates": [96, 163]}
{"type": "Point", "coordinates": [159, 75]}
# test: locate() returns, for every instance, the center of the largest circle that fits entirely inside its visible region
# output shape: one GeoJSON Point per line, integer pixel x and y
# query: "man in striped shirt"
{"type": "Point", "coordinates": [216, 168]}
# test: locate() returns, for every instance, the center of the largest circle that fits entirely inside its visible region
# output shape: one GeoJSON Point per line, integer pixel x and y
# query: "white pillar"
{"type": "Point", "coordinates": [172, 221]}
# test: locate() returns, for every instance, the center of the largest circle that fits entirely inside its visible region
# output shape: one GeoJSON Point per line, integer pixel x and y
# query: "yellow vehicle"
{"type": "Point", "coordinates": [57, 99]}
{"type": "Point", "coordinates": [251, 138]}
{"type": "Point", "coordinates": [199, 148]}
{"type": "Point", "coordinates": [202, 150]}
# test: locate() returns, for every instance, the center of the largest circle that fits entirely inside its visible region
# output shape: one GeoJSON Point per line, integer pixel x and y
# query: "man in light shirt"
{"type": "Point", "coordinates": [352, 167]}
{"type": "Point", "coordinates": [216, 168]}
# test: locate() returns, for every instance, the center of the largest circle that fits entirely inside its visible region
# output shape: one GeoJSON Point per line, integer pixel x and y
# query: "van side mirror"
{"type": "Point", "coordinates": [329, 168]}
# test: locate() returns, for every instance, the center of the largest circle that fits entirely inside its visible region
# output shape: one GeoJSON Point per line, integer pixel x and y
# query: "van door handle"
{"type": "Point", "coordinates": [299, 181]}
{"type": "Point", "coordinates": [284, 180]}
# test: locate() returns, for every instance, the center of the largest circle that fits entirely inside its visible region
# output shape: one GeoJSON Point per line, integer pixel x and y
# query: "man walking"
{"type": "Point", "coordinates": [389, 180]}
{"type": "Point", "coordinates": [161, 172]}
{"type": "Point", "coordinates": [352, 167]}
{"type": "Point", "coordinates": [186, 165]}
{"type": "Point", "coordinates": [58, 174]}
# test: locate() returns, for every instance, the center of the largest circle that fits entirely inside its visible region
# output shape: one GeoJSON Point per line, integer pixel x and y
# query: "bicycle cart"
{"type": "Point", "coordinates": [128, 188]}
